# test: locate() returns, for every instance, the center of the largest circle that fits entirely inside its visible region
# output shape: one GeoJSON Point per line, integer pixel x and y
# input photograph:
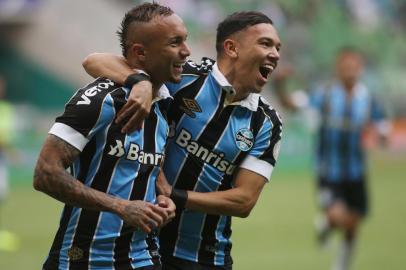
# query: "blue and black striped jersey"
{"type": "Point", "coordinates": [343, 118]}
{"type": "Point", "coordinates": [211, 136]}
{"type": "Point", "coordinates": [125, 166]}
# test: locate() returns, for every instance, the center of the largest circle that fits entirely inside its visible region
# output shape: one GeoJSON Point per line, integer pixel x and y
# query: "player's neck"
{"type": "Point", "coordinates": [348, 87]}
{"type": "Point", "coordinates": [155, 89]}
{"type": "Point", "coordinates": [230, 74]}
{"type": "Point", "coordinates": [156, 84]}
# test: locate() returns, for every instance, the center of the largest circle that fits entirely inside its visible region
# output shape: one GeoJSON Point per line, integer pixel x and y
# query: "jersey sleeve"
{"type": "Point", "coordinates": [88, 111]}
{"type": "Point", "coordinates": [191, 72]}
{"type": "Point", "coordinates": [265, 151]}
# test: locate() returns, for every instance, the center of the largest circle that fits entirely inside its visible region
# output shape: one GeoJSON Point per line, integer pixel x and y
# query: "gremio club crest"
{"type": "Point", "coordinates": [244, 139]}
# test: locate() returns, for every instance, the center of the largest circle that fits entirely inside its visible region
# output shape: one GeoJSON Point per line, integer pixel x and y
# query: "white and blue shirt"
{"type": "Point", "coordinates": [210, 137]}
{"type": "Point", "coordinates": [121, 165]}
{"type": "Point", "coordinates": [340, 155]}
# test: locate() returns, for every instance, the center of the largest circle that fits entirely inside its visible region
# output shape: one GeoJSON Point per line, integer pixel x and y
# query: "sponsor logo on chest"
{"type": "Point", "coordinates": [215, 159]}
{"type": "Point", "coordinates": [135, 153]}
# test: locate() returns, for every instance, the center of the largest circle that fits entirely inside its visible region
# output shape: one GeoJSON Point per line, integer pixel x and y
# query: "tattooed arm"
{"type": "Point", "coordinates": [52, 178]}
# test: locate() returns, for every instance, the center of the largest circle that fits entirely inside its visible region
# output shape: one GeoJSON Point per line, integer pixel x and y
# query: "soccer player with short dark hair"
{"type": "Point", "coordinates": [224, 142]}
{"type": "Point", "coordinates": [345, 108]}
{"type": "Point", "coordinates": [111, 206]}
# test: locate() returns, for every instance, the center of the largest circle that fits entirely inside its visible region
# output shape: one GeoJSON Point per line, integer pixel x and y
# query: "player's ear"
{"type": "Point", "coordinates": [230, 47]}
{"type": "Point", "coordinates": [138, 51]}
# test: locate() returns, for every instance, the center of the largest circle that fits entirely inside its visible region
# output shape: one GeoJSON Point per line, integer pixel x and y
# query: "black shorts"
{"type": "Point", "coordinates": [173, 263]}
{"type": "Point", "coordinates": [352, 193]}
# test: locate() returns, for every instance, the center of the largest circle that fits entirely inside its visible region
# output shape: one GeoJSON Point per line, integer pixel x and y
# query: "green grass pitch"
{"type": "Point", "coordinates": [277, 235]}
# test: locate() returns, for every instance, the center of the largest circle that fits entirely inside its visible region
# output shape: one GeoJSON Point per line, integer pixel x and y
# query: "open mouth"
{"type": "Point", "coordinates": [178, 66]}
{"type": "Point", "coordinates": [265, 70]}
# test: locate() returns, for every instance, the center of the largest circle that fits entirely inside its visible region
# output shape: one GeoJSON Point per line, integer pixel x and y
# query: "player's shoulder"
{"type": "Point", "coordinates": [203, 68]}
{"type": "Point", "coordinates": [101, 84]}
{"type": "Point", "coordinates": [164, 103]}
{"type": "Point", "coordinates": [94, 92]}
{"type": "Point", "coordinates": [265, 107]}
{"type": "Point", "coordinates": [193, 75]}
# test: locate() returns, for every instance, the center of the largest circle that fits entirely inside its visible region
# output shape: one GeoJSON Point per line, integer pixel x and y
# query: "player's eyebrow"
{"type": "Point", "coordinates": [177, 38]}
{"type": "Point", "coordinates": [270, 40]}
{"type": "Point", "coordinates": [278, 45]}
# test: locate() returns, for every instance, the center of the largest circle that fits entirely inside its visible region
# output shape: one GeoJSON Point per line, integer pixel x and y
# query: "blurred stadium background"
{"type": "Point", "coordinates": [42, 44]}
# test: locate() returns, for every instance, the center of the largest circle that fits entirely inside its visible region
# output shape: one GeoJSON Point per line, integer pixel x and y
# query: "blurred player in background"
{"type": "Point", "coordinates": [224, 144]}
{"type": "Point", "coordinates": [111, 206]}
{"type": "Point", "coordinates": [345, 109]}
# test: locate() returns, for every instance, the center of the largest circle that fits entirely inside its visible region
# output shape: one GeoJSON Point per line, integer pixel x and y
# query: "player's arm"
{"type": "Point", "coordinates": [139, 102]}
{"type": "Point", "coordinates": [238, 201]}
{"type": "Point", "coordinates": [52, 178]}
{"type": "Point", "coordinates": [116, 68]}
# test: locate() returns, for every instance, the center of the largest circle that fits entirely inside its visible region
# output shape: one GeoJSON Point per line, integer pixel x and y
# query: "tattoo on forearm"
{"type": "Point", "coordinates": [50, 171]}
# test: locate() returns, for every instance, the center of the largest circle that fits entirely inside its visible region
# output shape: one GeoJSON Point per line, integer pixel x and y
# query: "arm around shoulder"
{"type": "Point", "coordinates": [114, 67]}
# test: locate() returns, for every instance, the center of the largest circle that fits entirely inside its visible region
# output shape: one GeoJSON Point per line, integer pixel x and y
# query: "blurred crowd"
{"type": "Point", "coordinates": [311, 33]}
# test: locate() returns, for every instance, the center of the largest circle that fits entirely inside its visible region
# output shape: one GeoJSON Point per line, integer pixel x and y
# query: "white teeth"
{"type": "Point", "coordinates": [265, 70]}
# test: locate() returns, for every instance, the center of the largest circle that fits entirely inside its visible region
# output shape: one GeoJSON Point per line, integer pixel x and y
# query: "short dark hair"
{"type": "Point", "coordinates": [350, 50]}
{"type": "Point", "coordinates": [141, 13]}
{"type": "Point", "coordinates": [237, 22]}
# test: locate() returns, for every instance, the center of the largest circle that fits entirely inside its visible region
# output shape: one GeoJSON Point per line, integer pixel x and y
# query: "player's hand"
{"type": "Point", "coordinates": [144, 215]}
{"type": "Point", "coordinates": [168, 205]}
{"type": "Point", "coordinates": [137, 108]}
{"type": "Point", "coordinates": [162, 185]}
